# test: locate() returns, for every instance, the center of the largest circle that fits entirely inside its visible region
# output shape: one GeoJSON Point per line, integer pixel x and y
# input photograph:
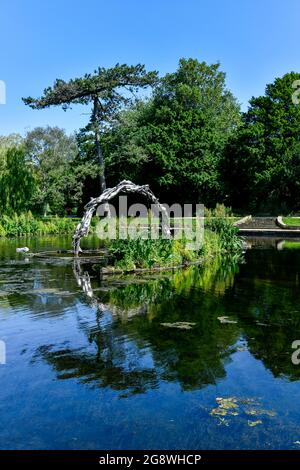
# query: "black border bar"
{"type": "Point", "coordinates": [146, 458]}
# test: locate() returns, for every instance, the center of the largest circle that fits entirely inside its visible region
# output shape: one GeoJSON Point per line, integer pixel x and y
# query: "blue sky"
{"type": "Point", "coordinates": [255, 41]}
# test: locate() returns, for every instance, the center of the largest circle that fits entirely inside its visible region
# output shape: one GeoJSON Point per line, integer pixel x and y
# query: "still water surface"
{"type": "Point", "coordinates": [105, 363]}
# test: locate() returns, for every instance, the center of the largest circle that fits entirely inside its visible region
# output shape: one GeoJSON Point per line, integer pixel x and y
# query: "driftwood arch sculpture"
{"type": "Point", "coordinates": [126, 187]}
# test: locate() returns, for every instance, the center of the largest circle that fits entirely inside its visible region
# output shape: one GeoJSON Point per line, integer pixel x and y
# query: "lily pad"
{"type": "Point", "coordinates": [226, 406]}
{"type": "Point", "coordinates": [182, 325]}
{"type": "Point", "coordinates": [248, 401]}
{"type": "Point", "coordinates": [254, 423]}
{"type": "Point", "coordinates": [227, 403]}
{"type": "Point", "coordinates": [218, 412]}
{"type": "Point", "coordinates": [226, 320]}
{"type": "Point", "coordinates": [259, 412]}
{"type": "Point", "coordinates": [244, 407]}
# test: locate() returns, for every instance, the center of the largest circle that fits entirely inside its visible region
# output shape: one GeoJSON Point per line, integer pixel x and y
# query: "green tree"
{"type": "Point", "coordinates": [6, 142]}
{"type": "Point", "coordinates": [262, 164]}
{"type": "Point", "coordinates": [108, 90]}
{"type": "Point", "coordinates": [59, 169]}
{"type": "Point", "coordinates": [125, 145]}
{"type": "Point", "coordinates": [51, 152]}
{"type": "Point", "coordinates": [178, 137]}
{"type": "Point", "coordinates": [17, 182]}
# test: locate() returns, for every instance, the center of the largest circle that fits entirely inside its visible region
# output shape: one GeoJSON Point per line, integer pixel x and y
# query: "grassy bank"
{"type": "Point", "coordinates": [291, 245]}
{"type": "Point", "coordinates": [294, 221]}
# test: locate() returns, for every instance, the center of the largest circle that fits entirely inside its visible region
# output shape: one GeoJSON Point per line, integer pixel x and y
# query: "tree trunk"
{"type": "Point", "coordinates": [98, 145]}
{"type": "Point", "coordinates": [102, 181]}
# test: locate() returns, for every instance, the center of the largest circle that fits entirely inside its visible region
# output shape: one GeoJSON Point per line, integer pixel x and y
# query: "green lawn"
{"type": "Point", "coordinates": [290, 245]}
{"type": "Point", "coordinates": [295, 221]}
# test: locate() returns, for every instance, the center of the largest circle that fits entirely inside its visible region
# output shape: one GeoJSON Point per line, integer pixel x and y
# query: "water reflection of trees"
{"type": "Point", "coordinates": [269, 309]}
{"type": "Point", "coordinates": [130, 349]}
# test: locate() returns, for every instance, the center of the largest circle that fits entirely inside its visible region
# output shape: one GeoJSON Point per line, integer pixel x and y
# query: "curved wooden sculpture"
{"type": "Point", "coordinates": [126, 187]}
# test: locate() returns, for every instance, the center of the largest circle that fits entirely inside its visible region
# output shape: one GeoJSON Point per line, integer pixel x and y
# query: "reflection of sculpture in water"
{"type": "Point", "coordinates": [129, 349]}
{"type": "Point", "coordinates": [84, 282]}
{"type": "Point", "coordinates": [132, 295]}
{"type": "Point", "coordinates": [133, 350]}
{"type": "Point", "coordinates": [116, 363]}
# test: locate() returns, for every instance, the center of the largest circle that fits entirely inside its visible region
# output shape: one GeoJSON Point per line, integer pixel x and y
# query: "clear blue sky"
{"type": "Point", "coordinates": [255, 41]}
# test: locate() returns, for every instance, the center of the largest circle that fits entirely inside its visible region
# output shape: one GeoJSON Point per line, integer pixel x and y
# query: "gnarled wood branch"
{"type": "Point", "coordinates": [126, 187]}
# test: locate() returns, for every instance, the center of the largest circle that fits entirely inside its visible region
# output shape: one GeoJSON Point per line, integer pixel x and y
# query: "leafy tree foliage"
{"type": "Point", "coordinates": [6, 142]}
{"type": "Point", "coordinates": [60, 173]}
{"type": "Point", "coordinates": [51, 153]}
{"type": "Point", "coordinates": [108, 90]}
{"type": "Point", "coordinates": [17, 182]}
{"type": "Point", "coordinates": [176, 140]}
{"type": "Point", "coordinates": [188, 141]}
{"type": "Point", "coordinates": [125, 145]}
{"type": "Point", "coordinates": [262, 164]}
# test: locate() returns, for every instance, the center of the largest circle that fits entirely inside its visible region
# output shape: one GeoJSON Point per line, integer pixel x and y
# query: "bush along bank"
{"type": "Point", "coordinates": [26, 224]}
{"type": "Point", "coordinates": [220, 238]}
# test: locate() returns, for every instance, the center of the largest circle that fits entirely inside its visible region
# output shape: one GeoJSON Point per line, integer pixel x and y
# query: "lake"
{"type": "Point", "coordinates": [196, 359]}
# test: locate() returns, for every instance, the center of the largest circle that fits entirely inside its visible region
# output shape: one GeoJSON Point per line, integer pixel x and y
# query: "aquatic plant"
{"type": "Point", "coordinates": [135, 253]}
{"type": "Point", "coordinates": [228, 238]}
{"type": "Point", "coordinates": [220, 238]}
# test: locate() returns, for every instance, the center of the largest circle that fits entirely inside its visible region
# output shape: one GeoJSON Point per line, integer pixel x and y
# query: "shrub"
{"type": "Point", "coordinates": [139, 253]}
{"type": "Point", "coordinates": [26, 224]}
{"type": "Point", "coordinates": [2, 231]}
{"type": "Point", "coordinates": [219, 211]}
{"type": "Point", "coordinates": [222, 225]}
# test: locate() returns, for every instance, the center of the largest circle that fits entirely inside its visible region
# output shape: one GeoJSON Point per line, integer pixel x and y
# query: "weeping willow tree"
{"type": "Point", "coordinates": [17, 180]}
{"type": "Point", "coordinates": [107, 90]}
